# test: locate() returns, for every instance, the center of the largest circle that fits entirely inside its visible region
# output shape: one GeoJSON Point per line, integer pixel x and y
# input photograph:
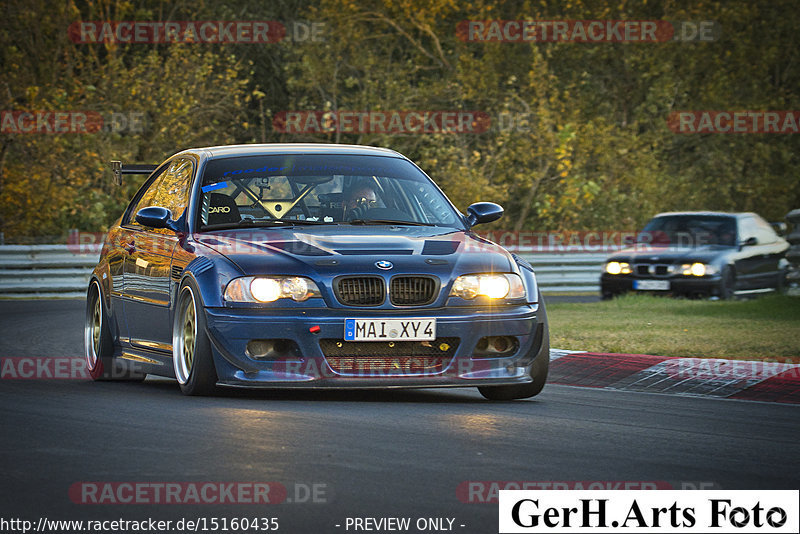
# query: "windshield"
{"type": "Point", "coordinates": [290, 190]}
{"type": "Point", "coordinates": [689, 231]}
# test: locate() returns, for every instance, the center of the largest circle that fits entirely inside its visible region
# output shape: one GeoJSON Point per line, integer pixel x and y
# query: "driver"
{"type": "Point", "coordinates": [361, 198]}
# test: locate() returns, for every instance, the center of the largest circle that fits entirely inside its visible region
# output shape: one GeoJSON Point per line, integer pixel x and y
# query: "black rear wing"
{"type": "Point", "coordinates": [118, 169]}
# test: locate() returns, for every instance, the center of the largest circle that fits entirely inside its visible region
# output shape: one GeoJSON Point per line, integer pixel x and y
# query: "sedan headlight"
{"type": "Point", "coordinates": [270, 289]}
{"type": "Point", "coordinates": [618, 267]}
{"type": "Point", "coordinates": [495, 286]}
{"type": "Point", "coordinates": [698, 269]}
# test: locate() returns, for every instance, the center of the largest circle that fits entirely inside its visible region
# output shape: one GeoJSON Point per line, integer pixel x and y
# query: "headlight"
{"type": "Point", "coordinates": [698, 269]}
{"type": "Point", "coordinates": [265, 289]}
{"type": "Point", "coordinates": [270, 289]}
{"type": "Point", "coordinates": [618, 267]}
{"type": "Point", "coordinates": [495, 286]}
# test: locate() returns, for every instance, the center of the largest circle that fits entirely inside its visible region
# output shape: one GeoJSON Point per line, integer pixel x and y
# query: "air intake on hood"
{"type": "Point", "coordinates": [298, 247]}
{"type": "Point", "coordinates": [374, 252]}
{"type": "Point", "coordinates": [434, 247]}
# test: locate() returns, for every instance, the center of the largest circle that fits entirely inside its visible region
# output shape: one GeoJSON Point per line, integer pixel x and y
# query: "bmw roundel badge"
{"type": "Point", "coordinates": [383, 264]}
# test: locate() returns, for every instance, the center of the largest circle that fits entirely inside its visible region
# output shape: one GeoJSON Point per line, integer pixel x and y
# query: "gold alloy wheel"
{"type": "Point", "coordinates": [189, 328]}
{"type": "Point", "coordinates": [93, 330]}
{"type": "Point", "coordinates": [184, 340]}
{"type": "Point", "coordinates": [97, 320]}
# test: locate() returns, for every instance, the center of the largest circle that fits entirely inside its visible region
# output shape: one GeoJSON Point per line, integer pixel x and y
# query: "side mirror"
{"type": "Point", "coordinates": [155, 217]}
{"type": "Point", "coordinates": [749, 242]}
{"type": "Point", "coordinates": [483, 212]}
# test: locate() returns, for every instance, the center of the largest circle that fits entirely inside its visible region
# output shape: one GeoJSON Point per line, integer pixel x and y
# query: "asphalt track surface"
{"type": "Point", "coordinates": [374, 454]}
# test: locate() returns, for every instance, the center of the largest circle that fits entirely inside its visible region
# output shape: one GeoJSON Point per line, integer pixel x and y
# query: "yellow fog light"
{"type": "Point", "coordinates": [618, 267]}
{"type": "Point", "coordinates": [696, 269]}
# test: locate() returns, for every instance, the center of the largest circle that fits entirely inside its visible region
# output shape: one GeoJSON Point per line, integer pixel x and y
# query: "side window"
{"type": "Point", "coordinates": [170, 190]}
{"type": "Point", "coordinates": [145, 200]}
{"type": "Point", "coordinates": [173, 191]}
{"type": "Point", "coordinates": [747, 229]}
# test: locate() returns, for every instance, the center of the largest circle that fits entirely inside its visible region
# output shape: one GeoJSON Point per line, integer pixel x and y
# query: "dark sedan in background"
{"type": "Point", "coordinates": [699, 254]}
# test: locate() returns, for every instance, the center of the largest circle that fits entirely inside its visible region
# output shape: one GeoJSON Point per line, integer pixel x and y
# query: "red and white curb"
{"type": "Point", "coordinates": [706, 377]}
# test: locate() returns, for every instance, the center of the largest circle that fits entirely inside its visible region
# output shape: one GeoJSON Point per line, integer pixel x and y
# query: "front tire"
{"type": "Point", "coordinates": [539, 371]}
{"type": "Point", "coordinates": [782, 284]}
{"type": "Point", "coordinates": [97, 341]}
{"type": "Point", "coordinates": [727, 283]}
{"type": "Point", "coordinates": [191, 348]}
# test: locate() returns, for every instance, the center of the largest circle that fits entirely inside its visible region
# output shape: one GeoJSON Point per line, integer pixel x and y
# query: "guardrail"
{"type": "Point", "coordinates": [45, 271]}
{"type": "Point", "coordinates": [59, 271]}
{"type": "Point", "coordinates": [566, 273]}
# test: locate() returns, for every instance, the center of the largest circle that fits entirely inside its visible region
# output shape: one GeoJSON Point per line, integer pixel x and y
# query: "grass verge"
{"type": "Point", "coordinates": [766, 328]}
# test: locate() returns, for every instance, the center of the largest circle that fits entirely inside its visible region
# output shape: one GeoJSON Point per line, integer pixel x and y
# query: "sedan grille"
{"type": "Point", "coordinates": [360, 291]}
{"type": "Point", "coordinates": [648, 269]}
{"type": "Point", "coordinates": [412, 290]}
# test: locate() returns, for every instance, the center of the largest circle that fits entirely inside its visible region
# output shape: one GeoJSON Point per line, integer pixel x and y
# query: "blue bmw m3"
{"type": "Point", "coordinates": [310, 266]}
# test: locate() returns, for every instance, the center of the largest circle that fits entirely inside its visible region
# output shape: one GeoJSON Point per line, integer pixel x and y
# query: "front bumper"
{"type": "Point", "coordinates": [230, 330]}
{"type": "Point", "coordinates": [678, 285]}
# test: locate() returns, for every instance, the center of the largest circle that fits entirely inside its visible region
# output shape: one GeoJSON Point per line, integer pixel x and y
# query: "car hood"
{"type": "Point", "coordinates": [671, 254]}
{"type": "Point", "coordinates": [333, 250]}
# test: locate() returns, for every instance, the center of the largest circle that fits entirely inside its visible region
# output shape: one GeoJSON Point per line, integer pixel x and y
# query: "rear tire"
{"type": "Point", "coordinates": [191, 348]}
{"type": "Point", "coordinates": [98, 345]}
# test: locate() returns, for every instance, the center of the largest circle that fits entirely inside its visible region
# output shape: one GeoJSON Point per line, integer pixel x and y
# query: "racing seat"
{"type": "Point", "coordinates": [331, 205]}
{"type": "Point", "coordinates": [222, 209]}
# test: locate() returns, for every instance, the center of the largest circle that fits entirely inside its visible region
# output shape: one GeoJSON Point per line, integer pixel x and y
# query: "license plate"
{"type": "Point", "coordinates": [389, 329]}
{"type": "Point", "coordinates": [651, 285]}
